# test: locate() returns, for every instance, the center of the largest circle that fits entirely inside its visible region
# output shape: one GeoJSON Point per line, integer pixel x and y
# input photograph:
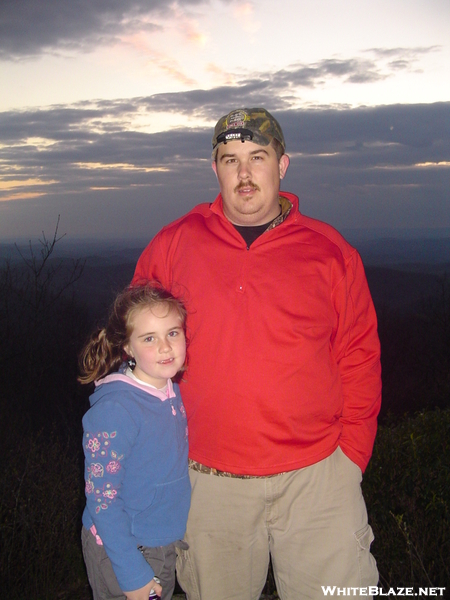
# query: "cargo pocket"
{"type": "Point", "coordinates": [368, 571]}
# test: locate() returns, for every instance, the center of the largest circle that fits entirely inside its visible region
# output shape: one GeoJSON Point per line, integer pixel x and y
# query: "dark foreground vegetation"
{"type": "Point", "coordinates": [407, 484]}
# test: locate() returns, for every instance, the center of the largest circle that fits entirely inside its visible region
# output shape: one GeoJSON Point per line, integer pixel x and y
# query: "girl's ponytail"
{"type": "Point", "coordinates": [98, 358]}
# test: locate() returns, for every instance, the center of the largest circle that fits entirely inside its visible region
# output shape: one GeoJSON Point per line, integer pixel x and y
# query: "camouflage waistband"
{"type": "Point", "coordinates": [196, 466]}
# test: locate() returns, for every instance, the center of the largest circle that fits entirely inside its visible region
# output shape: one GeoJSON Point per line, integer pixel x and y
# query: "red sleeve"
{"type": "Point", "coordinates": [357, 350]}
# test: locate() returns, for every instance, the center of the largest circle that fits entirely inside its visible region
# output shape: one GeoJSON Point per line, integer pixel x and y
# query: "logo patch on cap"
{"type": "Point", "coordinates": [236, 119]}
{"type": "Point", "coordinates": [248, 124]}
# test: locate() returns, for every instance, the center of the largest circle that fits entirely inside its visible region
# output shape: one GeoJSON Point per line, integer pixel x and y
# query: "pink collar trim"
{"type": "Point", "coordinates": [168, 393]}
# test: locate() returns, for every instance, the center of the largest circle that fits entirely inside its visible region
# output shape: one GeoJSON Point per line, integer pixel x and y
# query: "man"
{"type": "Point", "coordinates": [282, 390]}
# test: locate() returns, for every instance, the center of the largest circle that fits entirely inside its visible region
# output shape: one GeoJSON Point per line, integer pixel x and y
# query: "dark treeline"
{"type": "Point", "coordinates": [43, 327]}
{"type": "Point", "coordinates": [415, 353]}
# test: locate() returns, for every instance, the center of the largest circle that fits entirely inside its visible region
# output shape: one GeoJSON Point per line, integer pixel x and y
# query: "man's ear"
{"type": "Point", "coordinates": [214, 167]}
{"type": "Point", "coordinates": [284, 164]}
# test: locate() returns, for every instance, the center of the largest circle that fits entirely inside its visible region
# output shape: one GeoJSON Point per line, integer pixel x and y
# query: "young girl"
{"type": "Point", "coordinates": [136, 447]}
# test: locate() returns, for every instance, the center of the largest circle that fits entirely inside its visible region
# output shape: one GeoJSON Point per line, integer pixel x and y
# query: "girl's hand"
{"type": "Point", "coordinates": [144, 592]}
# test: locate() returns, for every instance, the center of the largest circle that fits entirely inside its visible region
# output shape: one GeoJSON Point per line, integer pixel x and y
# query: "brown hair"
{"type": "Point", "coordinates": [104, 351]}
{"type": "Point", "coordinates": [277, 146]}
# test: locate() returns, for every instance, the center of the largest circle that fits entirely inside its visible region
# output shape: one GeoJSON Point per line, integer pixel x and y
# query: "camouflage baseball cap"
{"type": "Point", "coordinates": [248, 124]}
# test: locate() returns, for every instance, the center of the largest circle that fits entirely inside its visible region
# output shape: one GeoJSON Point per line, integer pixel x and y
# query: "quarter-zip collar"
{"type": "Point", "coordinates": [288, 203]}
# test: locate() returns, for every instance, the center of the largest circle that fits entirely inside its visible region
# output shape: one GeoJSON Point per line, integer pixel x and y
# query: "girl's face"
{"type": "Point", "coordinates": [157, 344]}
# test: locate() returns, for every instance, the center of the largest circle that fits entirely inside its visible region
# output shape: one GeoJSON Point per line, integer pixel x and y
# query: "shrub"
{"type": "Point", "coordinates": [40, 507]}
{"type": "Point", "coordinates": [407, 490]}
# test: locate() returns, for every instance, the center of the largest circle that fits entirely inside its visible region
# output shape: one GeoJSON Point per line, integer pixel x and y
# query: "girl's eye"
{"type": "Point", "coordinates": [150, 338]}
{"type": "Point", "coordinates": [173, 333]}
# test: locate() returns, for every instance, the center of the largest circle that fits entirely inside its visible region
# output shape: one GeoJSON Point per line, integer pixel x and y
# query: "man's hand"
{"type": "Point", "coordinates": [144, 592]}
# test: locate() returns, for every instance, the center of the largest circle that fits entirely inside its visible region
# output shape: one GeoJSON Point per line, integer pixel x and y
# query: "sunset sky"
{"type": "Point", "coordinates": [107, 109]}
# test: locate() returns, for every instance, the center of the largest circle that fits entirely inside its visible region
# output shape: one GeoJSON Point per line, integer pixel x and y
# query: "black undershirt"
{"type": "Point", "coordinates": [252, 232]}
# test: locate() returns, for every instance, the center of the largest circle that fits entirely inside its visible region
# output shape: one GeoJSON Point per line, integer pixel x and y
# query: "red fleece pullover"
{"type": "Point", "coordinates": [284, 357]}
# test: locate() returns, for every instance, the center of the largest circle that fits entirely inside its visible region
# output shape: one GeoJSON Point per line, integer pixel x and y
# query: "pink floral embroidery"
{"type": "Point", "coordinates": [94, 445]}
{"type": "Point", "coordinates": [113, 466]}
{"type": "Point", "coordinates": [97, 470]}
{"type": "Point", "coordinates": [98, 444]}
{"type": "Point", "coordinates": [101, 507]}
{"type": "Point", "coordinates": [110, 494]}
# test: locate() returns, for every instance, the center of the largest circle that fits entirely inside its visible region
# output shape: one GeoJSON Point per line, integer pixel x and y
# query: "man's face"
{"type": "Point", "coordinates": [249, 179]}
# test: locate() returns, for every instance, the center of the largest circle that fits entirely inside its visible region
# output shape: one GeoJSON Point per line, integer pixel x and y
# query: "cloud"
{"type": "Point", "coordinates": [157, 59]}
{"type": "Point", "coordinates": [382, 63]}
{"type": "Point", "coordinates": [281, 89]}
{"type": "Point", "coordinates": [29, 28]}
{"type": "Point", "coordinates": [408, 53]}
{"type": "Point", "coordinates": [357, 167]}
{"type": "Point", "coordinates": [189, 27]}
{"type": "Point", "coordinates": [244, 15]}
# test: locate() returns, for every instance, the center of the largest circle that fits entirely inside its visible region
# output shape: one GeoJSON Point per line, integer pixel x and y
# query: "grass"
{"type": "Point", "coordinates": [407, 490]}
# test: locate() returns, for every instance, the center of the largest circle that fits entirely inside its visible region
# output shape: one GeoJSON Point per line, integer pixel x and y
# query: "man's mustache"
{"type": "Point", "coordinates": [246, 184]}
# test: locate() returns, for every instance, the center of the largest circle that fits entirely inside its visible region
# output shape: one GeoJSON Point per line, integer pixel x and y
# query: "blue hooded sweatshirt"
{"type": "Point", "coordinates": [136, 471]}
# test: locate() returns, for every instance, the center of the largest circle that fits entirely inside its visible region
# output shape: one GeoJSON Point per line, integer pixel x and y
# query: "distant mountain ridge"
{"type": "Point", "coordinates": [393, 252]}
{"type": "Point", "coordinates": [401, 273]}
{"type": "Point", "coordinates": [377, 251]}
